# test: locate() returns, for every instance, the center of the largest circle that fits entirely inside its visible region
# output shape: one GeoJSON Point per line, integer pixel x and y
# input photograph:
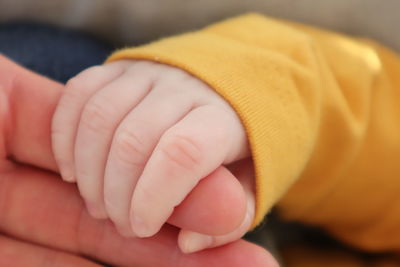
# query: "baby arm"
{"type": "Point", "coordinates": [138, 137]}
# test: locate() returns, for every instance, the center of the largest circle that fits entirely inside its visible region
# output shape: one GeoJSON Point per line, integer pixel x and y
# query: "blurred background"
{"type": "Point", "coordinates": [137, 21]}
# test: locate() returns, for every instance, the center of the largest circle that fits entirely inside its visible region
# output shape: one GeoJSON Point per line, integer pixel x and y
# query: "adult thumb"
{"type": "Point", "coordinates": [30, 103]}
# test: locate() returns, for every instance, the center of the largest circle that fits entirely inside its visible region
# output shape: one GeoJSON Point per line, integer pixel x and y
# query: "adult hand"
{"type": "Point", "coordinates": [43, 221]}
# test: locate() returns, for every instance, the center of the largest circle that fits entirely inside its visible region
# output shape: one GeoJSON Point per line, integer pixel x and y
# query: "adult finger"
{"type": "Point", "coordinates": [203, 140]}
{"type": "Point", "coordinates": [21, 254]}
{"type": "Point", "coordinates": [217, 203]}
{"type": "Point", "coordinates": [191, 241]}
{"type": "Point", "coordinates": [30, 103]}
{"type": "Point", "coordinates": [38, 208]}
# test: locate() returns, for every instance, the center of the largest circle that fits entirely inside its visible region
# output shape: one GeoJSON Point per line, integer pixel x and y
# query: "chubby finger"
{"type": "Point", "coordinates": [68, 112]}
{"type": "Point", "coordinates": [187, 152]}
{"type": "Point", "coordinates": [21, 254]}
{"type": "Point", "coordinates": [192, 241]}
{"type": "Point", "coordinates": [217, 205]}
{"type": "Point", "coordinates": [100, 118]}
{"type": "Point", "coordinates": [133, 143]}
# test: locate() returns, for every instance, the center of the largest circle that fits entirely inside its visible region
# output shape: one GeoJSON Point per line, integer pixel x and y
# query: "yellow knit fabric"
{"type": "Point", "coordinates": [322, 114]}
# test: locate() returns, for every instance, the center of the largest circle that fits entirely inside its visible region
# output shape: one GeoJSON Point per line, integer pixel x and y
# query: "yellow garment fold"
{"type": "Point", "coordinates": [322, 113]}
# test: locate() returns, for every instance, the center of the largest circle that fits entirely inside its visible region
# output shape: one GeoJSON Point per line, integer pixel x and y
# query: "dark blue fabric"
{"type": "Point", "coordinates": [54, 52]}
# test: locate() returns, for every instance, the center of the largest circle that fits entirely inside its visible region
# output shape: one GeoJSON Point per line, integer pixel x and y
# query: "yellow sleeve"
{"type": "Point", "coordinates": [322, 114]}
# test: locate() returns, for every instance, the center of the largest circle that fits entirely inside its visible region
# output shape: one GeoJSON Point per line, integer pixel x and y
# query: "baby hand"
{"type": "Point", "coordinates": [138, 137]}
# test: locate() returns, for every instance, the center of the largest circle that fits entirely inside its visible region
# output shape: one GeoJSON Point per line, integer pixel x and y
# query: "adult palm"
{"type": "Point", "coordinates": [43, 221]}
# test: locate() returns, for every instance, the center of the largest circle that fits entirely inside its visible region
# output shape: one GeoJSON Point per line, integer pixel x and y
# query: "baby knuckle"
{"type": "Point", "coordinates": [182, 150]}
{"type": "Point", "coordinates": [76, 84]}
{"type": "Point", "coordinates": [71, 94]}
{"type": "Point", "coordinates": [73, 83]}
{"type": "Point", "coordinates": [141, 66]}
{"type": "Point", "coordinates": [129, 148]}
{"type": "Point", "coordinates": [96, 115]}
{"type": "Point", "coordinates": [83, 79]}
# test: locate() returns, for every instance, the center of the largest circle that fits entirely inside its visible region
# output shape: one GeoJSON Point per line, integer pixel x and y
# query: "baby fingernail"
{"type": "Point", "coordinates": [69, 179]}
{"type": "Point", "coordinates": [67, 175]}
{"type": "Point", "coordinates": [91, 209]}
{"type": "Point", "coordinates": [196, 242]}
{"type": "Point", "coordinates": [125, 232]}
{"type": "Point", "coordinates": [139, 227]}
{"type": "Point", "coordinates": [95, 212]}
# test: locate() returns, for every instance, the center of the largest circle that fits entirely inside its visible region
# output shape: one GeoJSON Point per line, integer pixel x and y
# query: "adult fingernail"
{"type": "Point", "coordinates": [196, 242]}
